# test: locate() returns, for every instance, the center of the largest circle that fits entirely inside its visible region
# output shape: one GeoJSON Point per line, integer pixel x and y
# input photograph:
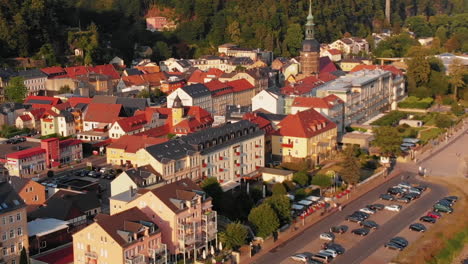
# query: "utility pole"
{"type": "Point", "coordinates": [387, 10]}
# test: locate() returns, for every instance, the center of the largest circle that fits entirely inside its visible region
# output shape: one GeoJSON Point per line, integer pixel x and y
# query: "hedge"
{"type": "Point", "coordinates": [390, 119]}
{"type": "Point", "coordinates": [415, 102]}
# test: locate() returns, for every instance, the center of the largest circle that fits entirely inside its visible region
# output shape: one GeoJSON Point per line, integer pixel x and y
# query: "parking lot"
{"type": "Point", "coordinates": [382, 217]}
{"type": "Point", "coordinates": [6, 149]}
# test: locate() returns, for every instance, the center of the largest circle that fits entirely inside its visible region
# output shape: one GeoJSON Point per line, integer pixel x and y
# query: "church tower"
{"type": "Point", "coordinates": [310, 54]}
{"type": "Point", "coordinates": [177, 111]}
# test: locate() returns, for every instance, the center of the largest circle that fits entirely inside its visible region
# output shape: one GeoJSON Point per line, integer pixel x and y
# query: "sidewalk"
{"type": "Point", "coordinates": [300, 226]}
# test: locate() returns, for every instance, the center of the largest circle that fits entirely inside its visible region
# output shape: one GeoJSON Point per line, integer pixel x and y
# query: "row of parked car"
{"type": "Point", "coordinates": [403, 192]}
{"type": "Point", "coordinates": [443, 205]}
{"type": "Point", "coordinates": [15, 140]}
{"type": "Point", "coordinates": [104, 173]}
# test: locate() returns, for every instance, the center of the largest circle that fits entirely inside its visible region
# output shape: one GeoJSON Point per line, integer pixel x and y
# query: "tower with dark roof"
{"type": "Point", "coordinates": [177, 111]}
{"type": "Point", "coordinates": [310, 53]}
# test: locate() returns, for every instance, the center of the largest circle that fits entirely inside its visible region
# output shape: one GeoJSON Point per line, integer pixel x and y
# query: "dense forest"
{"type": "Point", "coordinates": [104, 28]}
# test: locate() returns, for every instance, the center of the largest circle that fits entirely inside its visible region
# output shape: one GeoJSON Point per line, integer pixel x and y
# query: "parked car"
{"type": "Point", "coordinates": [387, 197]}
{"type": "Point", "coordinates": [403, 199]}
{"type": "Point", "coordinates": [433, 214]}
{"type": "Point", "coordinates": [322, 257]}
{"type": "Point", "coordinates": [369, 224]}
{"type": "Point", "coordinates": [428, 219]}
{"type": "Point", "coordinates": [361, 231]}
{"type": "Point", "coordinates": [327, 236]}
{"type": "Point", "coordinates": [446, 202]}
{"type": "Point", "coordinates": [442, 208]}
{"type": "Point", "coordinates": [336, 247]}
{"type": "Point", "coordinates": [393, 207]}
{"type": "Point", "coordinates": [355, 218]}
{"type": "Point", "coordinates": [376, 207]}
{"type": "Point", "coordinates": [412, 196]}
{"type": "Point", "coordinates": [395, 191]}
{"type": "Point", "coordinates": [339, 229]}
{"type": "Point", "coordinates": [367, 210]}
{"type": "Point", "coordinates": [330, 252]}
{"type": "Point", "coordinates": [362, 214]}
{"type": "Point", "coordinates": [414, 190]}
{"type": "Point", "coordinates": [453, 199]}
{"type": "Point", "coordinates": [422, 188]}
{"type": "Point", "coordinates": [418, 227]}
{"type": "Point", "coordinates": [404, 185]}
{"type": "Point", "coordinates": [300, 257]}
{"type": "Point", "coordinates": [394, 246]}
{"type": "Point", "coordinates": [400, 240]}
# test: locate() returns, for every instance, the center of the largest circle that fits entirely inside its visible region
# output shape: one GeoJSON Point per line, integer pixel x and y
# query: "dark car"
{"type": "Point", "coordinates": [446, 202]}
{"type": "Point", "coordinates": [339, 229]}
{"type": "Point", "coordinates": [400, 241]}
{"type": "Point", "coordinates": [451, 198]}
{"type": "Point", "coordinates": [418, 227]}
{"type": "Point", "coordinates": [395, 191]}
{"type": "Point", "coordinates": [387, 197]}
{"type": "Point", "coordinates": [421, 188]}
{"type": "Point", "coordinates": [362, 214]}
{"type": "Point", "coordinates": [403, 199]}
{"type": "Point", "coordinates": [412, 196]}
{"type": "Point", "coordinates": [369, 224]}
{"type": "Point", "coordinates": [393, 245]}
{"type": "Point", "coordinates": [361, 231]}
{"type": "Point", "coordinates": [337, 247]}
{"type": "Point", "coordinates": [376, 207]}
{"type": "Point", "coordinates": [355, 218]}
{"type": "Point", "coordinates": [428, 219]}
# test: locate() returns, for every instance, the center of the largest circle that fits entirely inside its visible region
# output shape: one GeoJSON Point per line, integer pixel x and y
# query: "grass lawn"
{"type": "Point", "coordinates": [429, 134]}
{"type": "Point", "coordinates": [441, 243]}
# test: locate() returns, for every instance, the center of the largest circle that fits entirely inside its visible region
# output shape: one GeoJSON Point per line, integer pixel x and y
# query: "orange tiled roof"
{"type": "Point", "coordinates": [132, 123]}
{"type": "Point", "coordinates": [102, 113]}
{"type": "Point", "coordinates": [305, 124]}
{"type": "Point", "coordinates": [240, 85]}
{"type": "Point", "coordinates": [133, 143]}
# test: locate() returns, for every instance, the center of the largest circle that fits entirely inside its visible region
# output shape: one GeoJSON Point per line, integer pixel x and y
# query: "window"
{"type": "Point", "coordinates": [5, 252]}
{"type": "Point", "coordinates": [19, 231]}
{"type": "Point", "coordinates": [4, 236]}
{"type": "Point", "coordinates": [11, 219]}
{"type": "Point", "coordinates": [43, 244]}
{"type": "Point", "coordinates": [12, 249]}
{"type": "Point", "coordinates": [4, 220]}
{"type": "Point", "coordinates": [13, 261]}
{"type": "Point", "coordinates": [12, 233]}
{"type": "Point", "coordinates": [36, 198]}
{"type": "Point", "coordinates": [20, 246]}
{"type": "Point", "coordinates": [18, 217]}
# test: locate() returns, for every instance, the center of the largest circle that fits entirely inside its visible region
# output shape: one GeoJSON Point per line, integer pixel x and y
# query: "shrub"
{"type": "Point", "coordinates": [390, 119]}
{"type": "Point", "coordinates": [415, 102]}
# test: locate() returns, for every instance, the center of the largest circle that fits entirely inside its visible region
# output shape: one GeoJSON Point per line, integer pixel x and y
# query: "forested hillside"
{"type": "Point", "coordinates": [112, 27]}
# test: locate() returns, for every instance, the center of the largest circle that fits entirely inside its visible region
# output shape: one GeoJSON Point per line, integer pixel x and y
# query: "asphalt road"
{"type": "Point", "coordinates": [364, 248]}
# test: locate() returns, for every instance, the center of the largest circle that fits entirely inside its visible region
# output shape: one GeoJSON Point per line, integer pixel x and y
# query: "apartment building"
{"type": "Point", "coordinates": [193, 95]}
{"type": "Point", "coordinates": [13, 224]}
{"type": "Point", "coordinates": [62, 123]}
{"type": "Point", "coordinates": [365, 93]}
{"type": "Point", "coordinates": [34, 80]}
{"type": "Point", "coordinates": [304, 135]}
{"type": "Point", "coordinates": [182, 211]}
{"type": "Point", "coordinates": [127, 237]}
{"type": "Point", "coordinates": [32, 193]}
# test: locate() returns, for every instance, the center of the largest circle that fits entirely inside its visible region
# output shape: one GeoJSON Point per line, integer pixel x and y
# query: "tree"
{"type": "Point", "coordinates": [322, 180]}
{"type": "Point", "coordinates": [443, 121]}
{"type": "Point", "coordinates": [278, 189]}
{"type": "Point", "coordinates": [65, 89]}
{"type": "Point", "coordinates": [47, 53]}
{"type": "Point", "coordinates": [235, 235]}
{"type": "Point", "coordinates": [301, 178]}
{"type": "Point", "coordinates": [419, 26]}
{"type": "Point", "coordinates": [419, 69]}
{"type": "Point", "coordinates": [388, 140]}
{"type": "Point", "coordinates": [16, 91]}
{"type": "Point", "coordinates": [212, 187]}
{"type": "Point", "coordinates": [161, 51]}
{"type": "Point", "coordinates": [24, 257]}
{"type": "Point", "coordinates": [293, 39]}
{"type": "Point", "coordinates": [282, 207]}
{"type": "Point", "coordinates": [452, 44]}
{"type": "Point", "coordinates": [264, 219]}
{"type": "Point", "coordinates": [457, 74]}
{"type": "Point", "coordinates": [457, 109]}
{"type": "Point", "coordinates": [350, 168]}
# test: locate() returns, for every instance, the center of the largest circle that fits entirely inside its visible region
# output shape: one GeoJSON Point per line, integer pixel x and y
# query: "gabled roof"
{"type": "Point", "coordinates": [9, 198]}
{"type": "Point", "coordinates": [54, 70]}
{"type": "Point", "coordinates": [78, 100]}
{"type": "Point", "coordinates": [132, 123]}
{"type": "Point", "coordinates": [326, 65]}
{"type": "Point", "coordinates": [103, 113]}
{"type": "Point", "coordinates": [216, 85]}
{"type": "Point", "coordinates": [47, 100]}
{"type": "Point", "coordinates": [240, 85]}
{"type": "Point", "coordinates": [69, 142]}
{"type": "Point", "coordinates": [328, 102]}
{"type": "Point", "coordinates": [182, 190]}
{"type": "Point", "coordinates": [154, 79]}
{"type": "Point", "coordinates": [130, 220]}
{"type": "Point", "coordinates": [84, 201]}
{"type": "Point", "coordinates": [32, 74]}
{"type": "Point", "coordinates": [170, 150]}
{"type": "Point", "coordinates": [26, 153]}
{"type": "Point", "coordinates": [18, 183]}
{"type": "Point", "coordinates": [160, 131]}
{"type": "Point", "coordinates": [334, 51]}
{"type": "Point", "coordinates": [106, 69]}
{"type": "Point", "coordinates": [133, 80]}
{"type": "Point", "coordinates": [304, 124]}
{"type": "Point", "coordinates": [25, 117]}
{"type": "Point", "coordinates": [76, 71]}
{"type": "Point", "coordinates": [133, 143]}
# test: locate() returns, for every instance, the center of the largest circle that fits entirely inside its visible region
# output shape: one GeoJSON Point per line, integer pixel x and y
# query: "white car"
{"type": "Point", "coordinates": [327, 236]}
{"type": "Point", "coordinates": [299, 257]}
{"type": "Point", "coordinates": [393, 207]}
{"type": "Point", "coordinates": [329, 252]}
{"type": "Point", "coordinates": [367, 210]}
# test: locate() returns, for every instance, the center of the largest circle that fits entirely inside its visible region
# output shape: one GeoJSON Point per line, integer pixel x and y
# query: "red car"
{"type": "Point", "coordinates": [434, 215]}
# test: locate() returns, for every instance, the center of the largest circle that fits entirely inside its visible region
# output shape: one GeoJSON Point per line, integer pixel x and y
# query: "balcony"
{"type": "Point", "coordinates": [139, 259]}
{"type": "Point", "coordinates": [91, 254]}
{"type": "Point", "coordinates": [287, 145]}
{"type": "Point", "coordinates": [258, 146]}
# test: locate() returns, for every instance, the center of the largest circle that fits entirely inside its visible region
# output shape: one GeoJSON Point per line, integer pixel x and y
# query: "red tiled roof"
{"type": "Point", "coordinates": [197, 76]}
{"type": "Point", "coordinates": [26, 153]}
{"type": "Point", "coordinates": [148, 69]}
{"type": "Point", "coordinates": [305, 124]}
{"type": "Point", "coordinates": [75, 71]}
{"type": "Point", "coordinates": [63, 106]}
{"type": "Point", "coordinates": [69, 142]}
{"type": "Point", "coordinates": [48, 100]}
{"type": "Point", "coordinates": [133, 143]}
{"type": "Point", "coordinates": [51, 113]}
{"type": "Point", "coordinates": [154, 79]}
{"type": "Point", "coordinates": [37, 113]}
{"type": "Point", "coordinates": [223, 92]}
{"type": "Point", "coordinates": [156, 132]}
{"type": "Point", "coordinates": [240, 85]}
{"type": "Point", "coordinates": [302, 87]}
{"type": "Point", "coordinates": [262, 123]}
{"type": "Point", "coordinates": [326, 65]}
{"type": "Point", "coordinates": [102, 113]}
{"type": "Point", "coordinates": [132, 123]}
{"type": "Point", "coordinates": [334, 51]}
{"type": "Point", "coordinates": [25, 117]}
{"type": "Point", "coordinates": [106, 69]}
{"type": "Point", "coordinates": [315, 102]}
{"type": "Point", "coordinates": [326, 77]}
{"type": "Point", "coordinates": [133, 80]}
{"type": "Point", "coordinates": [214, 71]}
{"type": "Point", "coordinates": [53, 70]}
{"type": "Point", "coordinates": [61, 256]}
{"type": "Point", "coordinates": [79, 100]}
{"type": "Point", "coordinates": [216, 85]}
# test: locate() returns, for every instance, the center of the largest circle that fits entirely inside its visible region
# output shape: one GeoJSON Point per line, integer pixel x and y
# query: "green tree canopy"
{"type": "Point", "coordinates": [264, 219]}
{"type": "Point", "coordinates": [322, 180]}
{"type": "Point", "coordinates": [388, 140]}
{"type": "Point", "coordinates": [24, 257]}
{"type": "Point", "coordinates": [278, 189]}
{"type": "Point", "coordinates": [235, 236]}
{"type": "Point", "coordinates": [301, 178]}
{"type": "Point", "coordinates": [282, 207]}
{"type": "Point", "coordinates": [350, 170]}
{"type": "Point", "coordinates": [16, 91]}
{"type": "Point", "coordinates": [212, 187]}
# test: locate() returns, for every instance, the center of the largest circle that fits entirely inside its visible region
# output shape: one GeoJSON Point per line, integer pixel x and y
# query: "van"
{"type": "Point", "coordinates": [322, 257]}
{"type": "Point", "coordinates": [442, 208]}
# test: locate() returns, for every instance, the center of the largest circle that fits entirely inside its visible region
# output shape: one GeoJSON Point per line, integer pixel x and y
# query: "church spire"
{"type": "Point", "coordinates": [309, 31]}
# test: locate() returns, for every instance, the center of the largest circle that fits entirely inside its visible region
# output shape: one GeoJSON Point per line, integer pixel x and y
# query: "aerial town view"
{"type": "Point", "coordinates": [233, 131]}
